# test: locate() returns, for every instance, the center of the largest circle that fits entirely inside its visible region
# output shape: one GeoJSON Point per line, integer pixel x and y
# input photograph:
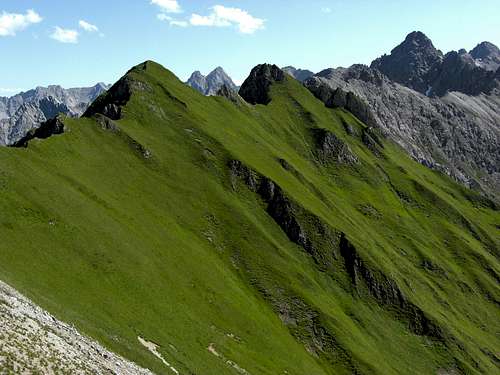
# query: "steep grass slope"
{"type": "Point", "coordinates": [285, 238]}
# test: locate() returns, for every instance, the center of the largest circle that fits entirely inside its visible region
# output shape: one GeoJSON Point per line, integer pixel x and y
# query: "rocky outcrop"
{"type": "Point", "coordinates": [255, 89]}
{"type": "Point", "coordinates": [229, 94]}
{"type": "Point", "coordinates": [299, 74]}
{"type": "Point", "coordinates": [329, 148]}
{"type": "Point", "coordinates": [110, 103]}
{"type": "Point", "coordinates": [26, 111]}
{"type": "Point", "coordinates": [45, 130]}
{"type": "Point", "coordinates": [54, 346]}
{"type": "Point", "coordinates": [340, 98]}
{"type": "Point", "coordinates": [318, 239]}
{"type": "Point", "coordinates": [212, 83]}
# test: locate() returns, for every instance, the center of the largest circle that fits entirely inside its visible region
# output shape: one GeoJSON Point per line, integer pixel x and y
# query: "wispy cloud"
{"type": "Point", "coordinates": [10, 23]}
{"type": "Point", "coordinates": [222, 16]}
{"type": "Point", "coordinates": [88, 26]}
{"type": "Point", "coordinates": [65, 35]}
{"type": "Point", "coordinates": [171, 21]}
{"type": "Point", "coordinates": [168, 6]}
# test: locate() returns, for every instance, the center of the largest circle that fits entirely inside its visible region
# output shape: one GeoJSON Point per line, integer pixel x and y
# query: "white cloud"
{"type": "Point", "coordinates": [326, 10]}
{"type": "Point", "coordinates": [222, 16]}
{"type": "Point", "coordinates": [168, 6]}
{"type": "Point", "coordinates": [65, 35]}
{"type": "Point", "coordinates": [87, 26]}
{"type": "Point", "coordinates": [10, 23]}
{"type": "Point", "coordinates": [171, 21]}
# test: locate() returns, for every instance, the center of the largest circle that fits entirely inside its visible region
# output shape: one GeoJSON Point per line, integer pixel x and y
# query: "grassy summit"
{"type": "Point", "coordinates": [285, 238]}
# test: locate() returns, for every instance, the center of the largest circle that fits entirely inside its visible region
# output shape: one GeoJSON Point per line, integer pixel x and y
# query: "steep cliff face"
{"type": "Point", "coordinates": [26, 111]}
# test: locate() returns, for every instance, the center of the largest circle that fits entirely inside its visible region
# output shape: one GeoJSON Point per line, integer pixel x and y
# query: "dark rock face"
{"type": "Point", "coordinates": [212, 83]}
{"type": "Point", "coordinates": [299, 74]}
{"type": "Point", "coordinates": [45, 130]}
{"type": "Point", "coordinates": [110, 103]}
{"type": "Point", "coordinates": [318, 239]}
{"type": "Point", "coordinates": [410, 62]}
{"type": "Point", "coordinates": [255, 89]}
{"type": "Point", "coordinates": [26, 111]}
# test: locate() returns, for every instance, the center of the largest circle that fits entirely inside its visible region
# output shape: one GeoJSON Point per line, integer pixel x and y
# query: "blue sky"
{"type": "Point", "coordinates": [43, 41]}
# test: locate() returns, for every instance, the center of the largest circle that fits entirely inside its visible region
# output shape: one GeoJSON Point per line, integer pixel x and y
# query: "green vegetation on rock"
{"type": "Point", "coordinates": [239, 241]}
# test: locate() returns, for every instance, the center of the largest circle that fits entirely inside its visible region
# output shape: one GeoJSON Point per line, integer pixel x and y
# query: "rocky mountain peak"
{"type": "Point", "coordinates": [418, 39]}
{"type": "Point", "coordinates": [210, 84]}
{"type": "Point", "coordinates": [485, 49]}
{"type": "Point", "coordinates": [486, 55]}
{"type": "Point", "coordinates": [410, 61]}
{"type": "Point", "coordinates": [255, 89]}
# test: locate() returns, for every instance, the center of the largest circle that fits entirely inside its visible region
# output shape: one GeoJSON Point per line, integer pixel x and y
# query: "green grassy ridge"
{"type": "Point", "coordinates": [164, 247]}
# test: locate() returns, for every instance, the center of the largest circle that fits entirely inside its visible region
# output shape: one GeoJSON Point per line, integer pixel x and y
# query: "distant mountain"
{"type": "Point", "coordinates": [453, 129]}
{"type": "Point", "coordinates": [417, 64]}
{"type": "Point", "coordinates": [299, 74]}
{"type": "Point", "coordinates": [26, 111]}
{"type": "Point", "coordinates": [212, 83]}
{"type": "Point", "coordinates": [410, 62]}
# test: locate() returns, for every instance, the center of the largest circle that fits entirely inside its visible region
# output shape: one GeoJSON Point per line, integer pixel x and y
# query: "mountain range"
{"type": "Point", "coordinates": [289, 228]}
{"type": "Point", "coordinates": [26, 111]}
{"type": "Point", "coordinates": [444, 110]}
